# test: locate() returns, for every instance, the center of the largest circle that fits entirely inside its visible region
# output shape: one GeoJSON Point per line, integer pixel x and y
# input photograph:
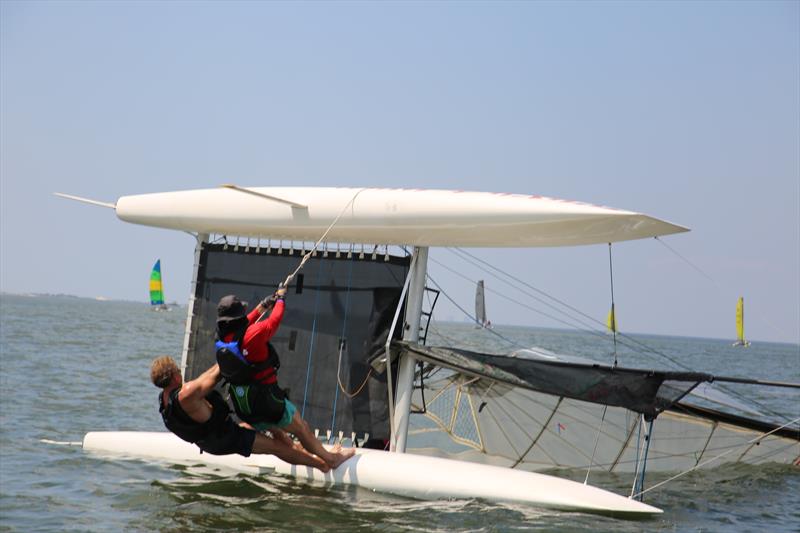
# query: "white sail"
{"type": "Point", "coordinates": [480, 305]}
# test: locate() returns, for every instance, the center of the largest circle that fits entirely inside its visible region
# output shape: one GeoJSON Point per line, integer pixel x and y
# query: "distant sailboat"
{"type": "Point", "coordinates": [480, 308]}
{"type": "Point", "coordinates": [157, 289]}
{"type": "Point", "coordinates": [740, 340]}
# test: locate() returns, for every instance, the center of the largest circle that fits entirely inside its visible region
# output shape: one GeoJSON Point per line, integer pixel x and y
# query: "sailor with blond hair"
{"type": "Point", "coordinates": [197, 413]}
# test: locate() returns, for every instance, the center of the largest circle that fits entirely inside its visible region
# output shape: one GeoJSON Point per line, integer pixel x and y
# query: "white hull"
{"type": "Point", "coordinates": [397, 473]}
{"type": "Point", "coordinates": [391, 216]}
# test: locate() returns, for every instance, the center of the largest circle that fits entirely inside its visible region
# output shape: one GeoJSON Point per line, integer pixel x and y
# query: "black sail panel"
{"type": "Point", "coordinates": [338, 309]}
{"type": "Point", "coordinates": [644, 391]}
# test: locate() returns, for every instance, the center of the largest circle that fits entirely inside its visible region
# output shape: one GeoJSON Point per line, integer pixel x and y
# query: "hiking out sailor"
{"type": "Point", "coordinates": [197, 413]}
{"type": "Point", "coordinates": [250, 364]}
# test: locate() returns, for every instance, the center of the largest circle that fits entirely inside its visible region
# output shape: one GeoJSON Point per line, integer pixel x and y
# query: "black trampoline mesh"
{"type": "Point", "coordinates": [334, 306]}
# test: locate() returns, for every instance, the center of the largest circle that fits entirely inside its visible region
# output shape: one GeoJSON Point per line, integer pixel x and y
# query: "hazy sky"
{"type": "Point", "coordinates": [687, 111]}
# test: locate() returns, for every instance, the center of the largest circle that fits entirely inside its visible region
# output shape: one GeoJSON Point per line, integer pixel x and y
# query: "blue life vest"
{"type": "Point", "coordinates": [235, 367]}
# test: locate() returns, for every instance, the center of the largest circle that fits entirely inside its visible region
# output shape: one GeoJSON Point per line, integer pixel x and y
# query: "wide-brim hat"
{"type": "Point", "coordinates": [231, 308]}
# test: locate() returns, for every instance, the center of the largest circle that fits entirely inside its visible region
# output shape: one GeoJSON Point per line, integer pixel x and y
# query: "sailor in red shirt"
{"type": "Point", "coordinates": [250, 363]}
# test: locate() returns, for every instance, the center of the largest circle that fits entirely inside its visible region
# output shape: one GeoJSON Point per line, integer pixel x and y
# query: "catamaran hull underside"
{"type": "Point", "coordinates": [402, 474]}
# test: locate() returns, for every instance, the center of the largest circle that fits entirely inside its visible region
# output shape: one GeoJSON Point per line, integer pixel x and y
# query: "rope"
{"type": "Point", "coordinates": [638, 450]}
{"type": "Point", "coordinates": [311, 341]}
{"type": "Point", "coordinates": [311, 252]}
{"type": "Point", "coordinates": [596, 440]}
{"type": "Point", "coordinates": [358, 390]}
{"type": "Point", "coordinates": [341, 346]}
{"type": "Point", "coordinates": [751, 441]}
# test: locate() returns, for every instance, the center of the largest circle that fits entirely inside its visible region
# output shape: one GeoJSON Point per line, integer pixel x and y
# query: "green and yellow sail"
{"type": "Point", "coordinates": [156, 289]}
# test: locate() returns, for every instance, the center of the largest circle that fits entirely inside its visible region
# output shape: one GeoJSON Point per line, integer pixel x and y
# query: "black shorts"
{"type": "Point", "coordinates": [257, 403]}
{"type": "Point", "coordinates": [227, 439]}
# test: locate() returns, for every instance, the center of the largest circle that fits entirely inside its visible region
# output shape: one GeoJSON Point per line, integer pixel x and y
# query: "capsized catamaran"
{"type": "Point", "coordinates": [740, 340]}
{"type": "Point", "coordinates": [342, 326]}
{"type": "Point", "coordinates": [157, 289]}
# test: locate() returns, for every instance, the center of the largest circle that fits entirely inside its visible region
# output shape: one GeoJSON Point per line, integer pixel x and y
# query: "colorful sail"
{"type": "Point", "coordinates": [156, 288]}
{"type": "Point", "coordinates": [740, 340]}
{"type": "Point", "coordinates": [611, 321]}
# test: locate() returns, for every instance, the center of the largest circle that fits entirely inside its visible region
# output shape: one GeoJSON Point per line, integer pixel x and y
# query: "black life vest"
{"type": "Point", "coordinates": [234, 366]}
{"type": "Point", "coordinates": [181, 424]}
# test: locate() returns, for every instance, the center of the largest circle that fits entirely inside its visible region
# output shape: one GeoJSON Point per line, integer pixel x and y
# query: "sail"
{"type": "Point", "coordinates": [611, 320]}
{"type": "Point", "coordinates": [740, 320]}
{"type": "Point", "coordinates": [480, 305]}
{"type": "Point", "coordinates": [156, 288]}
{"type": "Point", "coordinates": [541, 410]}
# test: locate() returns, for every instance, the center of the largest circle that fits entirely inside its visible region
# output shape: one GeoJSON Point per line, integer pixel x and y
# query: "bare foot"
{"type": "Point", "coordinates": [338, 455]}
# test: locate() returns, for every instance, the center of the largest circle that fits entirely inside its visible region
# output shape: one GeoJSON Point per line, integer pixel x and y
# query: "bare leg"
{"type": "Point", "coordinates": [290, 454]}
{"type": "Point", "coordinates": [300, 429]}
{"type": "Point", "coordinates": [282, 435]}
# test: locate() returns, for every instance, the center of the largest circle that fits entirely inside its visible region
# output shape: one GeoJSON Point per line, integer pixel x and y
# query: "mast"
{"type": "Point", "coordinates": [405, 373]}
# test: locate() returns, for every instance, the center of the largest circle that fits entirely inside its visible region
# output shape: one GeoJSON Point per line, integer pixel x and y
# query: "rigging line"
{"type": "Point", "coordinates": [342, 341]}
{"type": "Point", "coordinates": [596, 440]}
{"type": "Point", "coordinates": [589, 328]}
{"type": "Point", "coordinates": [695, 267]}
{"type": "Point", "coordinates": [521, 304]}
{"type": "Point", "coordinates": [316, 245]}
{"type": "Point", "coordinates": [638, 462]}
{"type": "Point", "coordinates": [648, 439]}
{"type": "Point", "coordinates": [632, 343]}
{"type": "Point", "coordinates": [522, 282]}
{"type": "Point", "coordinates": [310, 252]}
{"type": "Point", "coordinates": [313, 335]}
{"type": "Point", "coordinates": [676, 476]}
{"type": "Point", "coordinates": [493, 332]}
{"type": "Point", "coordinates": [714, 282]}
{"type": "Point", "coordinates": [642, 347]}
{"type": "Point", "coordinates": [613, 315]}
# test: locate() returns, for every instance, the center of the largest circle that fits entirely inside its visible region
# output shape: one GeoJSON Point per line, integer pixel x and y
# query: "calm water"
{"type": "Point", "coordinates": [74, 365]}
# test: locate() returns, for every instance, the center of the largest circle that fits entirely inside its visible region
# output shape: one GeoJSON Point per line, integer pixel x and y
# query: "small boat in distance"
{"type": "Point", "coordinates": [740, 340]}
{"type": "Point", "coordinates": [480, 308]}
{"type": "Point", "coordinates": [157, 289]}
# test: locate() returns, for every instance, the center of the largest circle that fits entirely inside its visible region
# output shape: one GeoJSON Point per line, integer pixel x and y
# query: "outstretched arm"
{"type": "Point", "coordinates": [199, 388]}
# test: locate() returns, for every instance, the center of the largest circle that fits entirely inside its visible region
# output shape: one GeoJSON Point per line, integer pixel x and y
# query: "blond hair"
{"type": "Point", "coordinates": [162, 370]}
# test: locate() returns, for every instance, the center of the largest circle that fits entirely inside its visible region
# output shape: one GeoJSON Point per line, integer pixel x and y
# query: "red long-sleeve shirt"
{"type": "Point", "coordinates": [254, 344]}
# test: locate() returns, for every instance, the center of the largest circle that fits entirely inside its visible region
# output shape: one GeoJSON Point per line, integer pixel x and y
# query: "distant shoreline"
{"type": "Point", "coordinates": [448, 322]}
{"type": "Point", "coordinates": [89, 298]}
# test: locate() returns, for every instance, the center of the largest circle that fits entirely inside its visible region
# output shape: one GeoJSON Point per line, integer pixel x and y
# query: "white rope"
{"type": "Point", "coordinates": [640, 422]}
{"type": "Point", "coordinates": [759, 438]}
{"type": "Point", "coordinates": [308, 255]}
{"type": "Point", "coordinates": [314, 249]}
{"type": "Point", "coordinates": [596, 440]}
